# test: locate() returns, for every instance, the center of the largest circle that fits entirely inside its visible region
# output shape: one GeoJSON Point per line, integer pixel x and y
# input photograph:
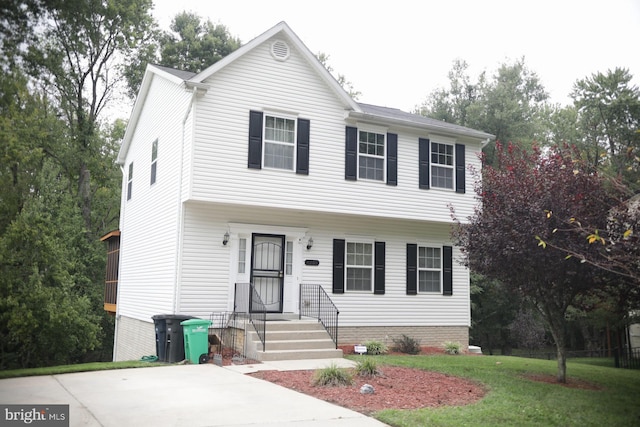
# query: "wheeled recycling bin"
{"type": "Point", "coordinates": [169, 337]}
{"type": "Point", "coordinates": [196, 340]}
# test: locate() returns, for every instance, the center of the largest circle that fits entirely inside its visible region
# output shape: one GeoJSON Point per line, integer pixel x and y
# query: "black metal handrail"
{"type": "Point", "coordinates": [248, 301]}
{"type": "Point", "coordinates": [315, 303]}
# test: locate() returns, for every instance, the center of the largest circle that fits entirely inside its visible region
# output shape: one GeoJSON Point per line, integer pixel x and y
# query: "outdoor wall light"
{"type": "Point", "coordinates": [310, 243]}
{"type": "Point", "coordinates": [225, 240]}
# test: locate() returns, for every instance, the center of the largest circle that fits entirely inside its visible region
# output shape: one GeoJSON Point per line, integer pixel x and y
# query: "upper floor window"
{"type": "Point", "coordinates": [130, 181]}
{"type": "Point", "coordinates": [371, 155]}
{"type": "Point", "coordinates": [279, 142]}
{"type": "Point", "coordinates": [154, 161]}
{"type": "Point", "coordinates": [442, 165]}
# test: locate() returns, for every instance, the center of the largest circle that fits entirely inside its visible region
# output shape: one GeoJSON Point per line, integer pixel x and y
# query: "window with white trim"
{"type": "Point", "coordinates": [429, 269]}
{"type": "Point", "coordinates": [279, 142]}
{"type": "Point", "coordinates": [359, 267]}
{"type": "Point", "coordinates": [154, 161]}
{"type": "Point", "coordinates": [288, 258]}
{"type": "Point", "coordinates": [130, 181]}
{"type": "Point", "coordinates": [442, 165]}
{"type": "Point", "coordinates": [242, 255]}
{"type": "Point", "coordinates": [371, 155]}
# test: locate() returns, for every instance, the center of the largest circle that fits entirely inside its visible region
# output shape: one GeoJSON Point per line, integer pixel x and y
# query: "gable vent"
{"type": "Point", "coordinates": [280, 50]}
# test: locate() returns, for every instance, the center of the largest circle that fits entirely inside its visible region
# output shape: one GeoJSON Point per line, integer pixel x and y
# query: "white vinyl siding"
{"type": "Point", "coordinates": [149, 222]}
{"type": "Point", "coordinates": [258, 82]}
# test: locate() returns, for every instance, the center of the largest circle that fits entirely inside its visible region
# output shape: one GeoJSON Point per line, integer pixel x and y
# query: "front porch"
{"type": "Point", "coordinates": [252, 332]}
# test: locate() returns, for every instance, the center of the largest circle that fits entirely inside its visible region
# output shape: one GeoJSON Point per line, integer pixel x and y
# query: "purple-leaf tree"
{"type": "Point", "coordinates": [524, 198]}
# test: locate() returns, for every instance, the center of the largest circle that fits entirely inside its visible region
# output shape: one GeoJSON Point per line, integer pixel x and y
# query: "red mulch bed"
{"type": "Point", "coordinates": [396, 388]}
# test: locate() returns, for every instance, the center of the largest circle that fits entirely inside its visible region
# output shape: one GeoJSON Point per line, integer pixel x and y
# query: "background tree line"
{"type": "Point", "coordinates": [558, 230]}
{"type": "Point", "coordinates": [65, 64]}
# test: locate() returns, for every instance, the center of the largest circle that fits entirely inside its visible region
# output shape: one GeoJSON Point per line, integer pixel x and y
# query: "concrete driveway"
{"type": "Point", "coordinates": [182, 395]}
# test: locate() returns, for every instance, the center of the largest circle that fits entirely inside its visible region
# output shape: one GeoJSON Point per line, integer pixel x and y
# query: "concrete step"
{"type": "Point", "coordinates": [290, 335]}
{"type": "Point", "coordinates": [265, 356]}
{"type": "Point", "coordinates": [318, 344]}
{"type": "Point", "coordinates": [293, 325]}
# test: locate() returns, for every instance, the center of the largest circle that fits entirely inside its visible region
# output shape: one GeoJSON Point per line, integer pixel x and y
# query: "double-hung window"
{"type": "Point", "coordinates": [371, 155]}
{"type": "Point", "coordinates": [279, 142]}
{"type": "Point", "coordinates": [359, 266]}
{"type": "Point", "coordinates": [442, 166]}
{"type": "Point", "coordinates": [429, 269]}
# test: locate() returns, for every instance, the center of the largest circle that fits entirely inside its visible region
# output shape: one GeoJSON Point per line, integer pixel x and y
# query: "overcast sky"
{"type": "Point", "coordinates": [397, 52]}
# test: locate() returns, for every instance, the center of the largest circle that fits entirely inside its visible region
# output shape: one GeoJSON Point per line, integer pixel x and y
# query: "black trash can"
{"type": "Point", "coordinates": [159, 320]}
{"type": "Point", "coordinates": [169, 337]}
{"type": "Point", "coordinates": [175, 337]}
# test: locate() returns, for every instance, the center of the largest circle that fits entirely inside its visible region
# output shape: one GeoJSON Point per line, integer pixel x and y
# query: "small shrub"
{"type": "Point", "coordinates": [367, 368]}
{"type": "Point", "coordinates": [452, 347]}
{"type": "Point", "coordinates": [332, 376]}
{"type": "Point", "coordinates": [406, 344]}
{"type": "Point", "coordinates": [375, 347]}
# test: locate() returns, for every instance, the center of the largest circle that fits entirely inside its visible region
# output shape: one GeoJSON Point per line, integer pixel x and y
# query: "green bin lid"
{"type": "Point", "coordinates": [197, 322]}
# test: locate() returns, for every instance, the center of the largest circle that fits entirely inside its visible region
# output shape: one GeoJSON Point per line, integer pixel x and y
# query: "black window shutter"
{"type": "Point", "coordinates": [338, 266]}
{"type": "Point", "coordinates": [255, 139]}
{"type": "Point", "coordinates": [302, 166]}
{"type": "Point", "coordinates": [424, 153]}
{"type": "Point", "coordinates": [460, 166]}
{"type": "Point", "coordinates": [379, 273]}
{"type": "Point", "coordinates": [447, 270]}
{"type": "Point", "coordinates": [412, 269]}
{"type": "Point", "coordinates": [392, 159]}
{"type": "Point", "coordinates": [351, 156]}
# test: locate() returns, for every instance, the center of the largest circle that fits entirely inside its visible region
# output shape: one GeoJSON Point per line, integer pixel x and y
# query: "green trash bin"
{"type": "Point", "coordinates": [196, 340]}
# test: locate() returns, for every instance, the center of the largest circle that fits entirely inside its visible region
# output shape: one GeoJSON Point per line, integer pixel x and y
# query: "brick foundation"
{"type": "Point", "coordinates": [428, 336]}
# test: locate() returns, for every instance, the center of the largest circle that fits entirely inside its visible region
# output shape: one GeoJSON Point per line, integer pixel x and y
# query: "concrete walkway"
{"type": "Point", "coordinates": [182, 395]}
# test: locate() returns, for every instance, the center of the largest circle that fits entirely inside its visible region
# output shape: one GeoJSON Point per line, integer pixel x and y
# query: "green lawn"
{"type": "Point", "coordinates": [512, 400]}
{"type": "Point", "coordinates": [66, 369]}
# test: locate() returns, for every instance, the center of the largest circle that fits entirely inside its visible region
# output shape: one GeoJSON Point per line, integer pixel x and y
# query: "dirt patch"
{"type": "Point", "coordinates": [395, 388]}
{"type": "Point", "coordinates": [571, 382]}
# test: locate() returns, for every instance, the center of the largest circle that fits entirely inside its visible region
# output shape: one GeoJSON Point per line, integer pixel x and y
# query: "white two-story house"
{"type": "Point", "coordinates": [261, 169]}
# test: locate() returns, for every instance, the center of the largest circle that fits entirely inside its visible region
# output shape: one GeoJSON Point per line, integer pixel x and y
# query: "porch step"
{"type": "Point", "coordinates": [270, 356]}
{"type": "Point", "coordinates": [294, 339]}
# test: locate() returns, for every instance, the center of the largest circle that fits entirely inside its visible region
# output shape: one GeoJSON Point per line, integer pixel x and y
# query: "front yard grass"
{"type": "Point", "coordinates": [66, 369]}
{"type": "Point", "coordinates": [514, 400]}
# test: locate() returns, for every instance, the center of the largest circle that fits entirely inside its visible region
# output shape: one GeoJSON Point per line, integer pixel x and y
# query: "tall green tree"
{"type": "Point", "coordinates": [191, 44]}
{"type": "Point", "coordinates": [508, 105]}
{"type": "Point", "coordinates": [608, 106]}
{"type": "Point", "coordinates": [78, 60]}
